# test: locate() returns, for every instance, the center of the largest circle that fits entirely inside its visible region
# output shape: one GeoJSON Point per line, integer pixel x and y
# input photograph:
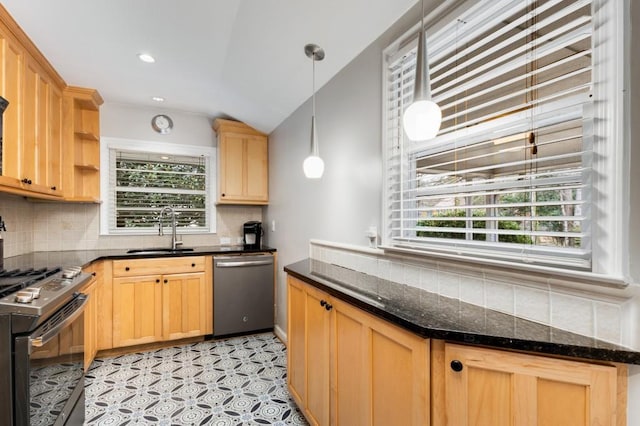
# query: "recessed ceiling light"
{"type": "Point", "coordinates": [158, 98]}
{"type": "Point", "coordinates": [145, 57]}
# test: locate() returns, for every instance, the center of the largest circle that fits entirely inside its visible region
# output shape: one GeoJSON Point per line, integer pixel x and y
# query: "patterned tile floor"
{"type": "Point", "coordinates": [236, 381]}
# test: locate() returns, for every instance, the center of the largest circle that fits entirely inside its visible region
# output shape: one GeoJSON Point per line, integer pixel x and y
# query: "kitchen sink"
{"type": "Point", "coordinates": [159, 250]}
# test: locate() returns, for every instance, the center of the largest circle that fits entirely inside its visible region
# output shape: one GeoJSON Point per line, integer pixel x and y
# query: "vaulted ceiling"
{"type": "Point", "coordinates": [238, 58]}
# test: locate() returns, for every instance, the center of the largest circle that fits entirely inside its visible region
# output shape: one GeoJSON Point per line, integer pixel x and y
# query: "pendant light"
{"type": "Point", "coordinates": [313, 165]}
{"type": "Point", "coordinates": [421, 120]}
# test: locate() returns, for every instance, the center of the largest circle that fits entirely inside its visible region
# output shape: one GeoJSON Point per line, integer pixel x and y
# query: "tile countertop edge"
{"type": "Point", "coordinates": [618, 355]}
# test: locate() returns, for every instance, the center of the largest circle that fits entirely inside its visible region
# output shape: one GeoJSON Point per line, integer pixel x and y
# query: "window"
{"type": "Point", "coordinates": [510, 175]}
{"type": "Point", "coordinates": [142, 181]}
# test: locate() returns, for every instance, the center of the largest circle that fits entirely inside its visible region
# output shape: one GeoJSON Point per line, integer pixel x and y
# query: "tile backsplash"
{"type": "Point", "coordinates": [48, 226]}
{"type": "Point", "coordinates": [600, 313]}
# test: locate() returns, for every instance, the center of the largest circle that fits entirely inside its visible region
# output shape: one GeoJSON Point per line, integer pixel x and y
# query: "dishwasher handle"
{"type": "Point", "coordinates": [242, 263]}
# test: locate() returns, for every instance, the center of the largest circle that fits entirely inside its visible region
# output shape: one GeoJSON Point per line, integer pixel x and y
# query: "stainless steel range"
{"type": "Point", "coordinates": [42, 346]}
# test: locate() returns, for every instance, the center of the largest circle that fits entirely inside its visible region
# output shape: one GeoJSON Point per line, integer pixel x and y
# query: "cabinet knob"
{"type": "Point", "coordinates": [94, 274]}
{"type": "Point", "coordinates": [328, 306]}
{"type": "Point", "coordinates": [126, 268]}
{"type": "Point", "coordinates": [222, 195]}
{"type": "Point", "coordinates": [166, 281]}
{"type": "Point", "coordinates": [158, 280]}
{"type": "Point", "coordinates": [323, 302]}
{"type": "Point", "coordinates": [53, 188]}
{"type": "Point", "coordinates": [27, 181]}
{"type": "Point", "coordinates": [193, 265]}
{"type": "Point", "coordinates": [456, 366]}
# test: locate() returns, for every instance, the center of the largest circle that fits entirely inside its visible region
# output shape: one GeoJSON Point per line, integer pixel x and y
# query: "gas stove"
{"type": "Point", "coordinates": [38, 291]}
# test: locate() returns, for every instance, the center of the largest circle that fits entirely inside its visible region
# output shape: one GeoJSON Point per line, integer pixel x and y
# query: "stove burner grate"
{"type": "Point", "coordinates": [17, 279]}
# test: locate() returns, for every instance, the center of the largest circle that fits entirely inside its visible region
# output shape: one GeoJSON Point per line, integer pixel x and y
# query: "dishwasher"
{"type": "Point", "coordinates": [243, 298]}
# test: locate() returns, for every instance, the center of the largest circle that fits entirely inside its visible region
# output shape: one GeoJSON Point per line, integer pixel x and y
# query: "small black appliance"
{"type": "Point", "coordinates": [252, 232]}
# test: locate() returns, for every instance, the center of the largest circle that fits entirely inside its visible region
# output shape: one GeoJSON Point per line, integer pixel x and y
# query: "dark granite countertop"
{"type": "Point", "coordinates": [434, 316]}
{"type": "Point", "coordinates": [41, 259]}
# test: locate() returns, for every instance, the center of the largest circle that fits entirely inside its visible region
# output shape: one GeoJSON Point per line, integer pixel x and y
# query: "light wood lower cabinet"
{"type": "Point", "coordinates": [493, 387]}
{"type": "Point", "coordinates": [90, 324]}
{"type": "Point", "coordinates": [349, 367]}
{"type": "Point", "coordinates": [160, 306]}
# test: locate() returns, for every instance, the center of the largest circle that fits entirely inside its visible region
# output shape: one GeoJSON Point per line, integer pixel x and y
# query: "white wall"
{"type": "Point", "coordinates": [132, 122]}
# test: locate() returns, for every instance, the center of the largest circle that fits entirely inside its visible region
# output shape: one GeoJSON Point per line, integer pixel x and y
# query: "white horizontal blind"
{"type": "Point", "coordinates": [141, 184]}
{"type": "Point", "coordinates": [509, 174]}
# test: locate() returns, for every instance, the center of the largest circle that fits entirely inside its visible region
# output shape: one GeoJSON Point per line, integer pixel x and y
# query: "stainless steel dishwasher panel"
{"type": "Point", "coordinates": [243, 297]}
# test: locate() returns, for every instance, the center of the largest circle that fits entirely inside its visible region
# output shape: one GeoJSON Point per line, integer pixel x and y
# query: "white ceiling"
{"type": "Point", "coordinates": [240, 58]}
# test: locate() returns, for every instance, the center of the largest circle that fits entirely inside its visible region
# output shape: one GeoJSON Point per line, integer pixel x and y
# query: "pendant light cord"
{"type": "Point", "coordinates": [313, 85]}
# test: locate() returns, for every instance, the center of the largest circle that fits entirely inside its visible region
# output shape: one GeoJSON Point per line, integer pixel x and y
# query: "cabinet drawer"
{"type": "Point", "coordinates": [160, 265]}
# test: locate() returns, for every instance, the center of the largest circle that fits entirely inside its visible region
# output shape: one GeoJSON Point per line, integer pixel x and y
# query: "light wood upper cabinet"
{"type": "Point", "coordinates": [492, 387]}
{"type": "Point", "coordinates": [243, 173]}
{"type": "Point", "coordinates": [347, 367]}
{"type": "Point", "coordinates": [31, 148]}
{"type": "Point", "coordinates": [46, 125]}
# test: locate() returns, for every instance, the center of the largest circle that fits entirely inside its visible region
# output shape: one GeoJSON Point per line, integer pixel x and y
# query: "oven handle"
{"type": "Point", "coordinates": [45, 337]}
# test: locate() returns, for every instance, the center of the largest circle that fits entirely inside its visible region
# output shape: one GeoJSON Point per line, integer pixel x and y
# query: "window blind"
{"type": "Point", "coordinates": [141, 184]}
{"type": "Point", "coordinates": [509, 174]}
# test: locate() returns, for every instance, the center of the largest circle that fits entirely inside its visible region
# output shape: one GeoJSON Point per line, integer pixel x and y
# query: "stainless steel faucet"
{"type": "Point", "coordinates": [174, 242]}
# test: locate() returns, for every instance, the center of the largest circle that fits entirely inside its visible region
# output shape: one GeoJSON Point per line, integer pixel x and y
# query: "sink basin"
{"type": "Point", "coordinates": [159, 250]}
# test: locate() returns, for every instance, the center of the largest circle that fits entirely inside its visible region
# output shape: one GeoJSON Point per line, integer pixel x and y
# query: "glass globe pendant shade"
{"type": "Point", "coordinates": [313, 167]}
{"type": "Point", "coordinates": [422, 120]}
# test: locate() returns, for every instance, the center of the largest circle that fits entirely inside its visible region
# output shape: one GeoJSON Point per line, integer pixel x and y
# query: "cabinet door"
{"type": "Point", "coordinates": [183, 306]}
{"type": "Point", "coordinates": [381, 372]}
{"type": "Point", "coordinates": [137, 310]}
{"type": "Point", "coordinates": [491, 387]}
{"type": "Point", "coordinates": [90, 338]}
{"type": "Point", "coordinates": [54, 141]}
{"type": "Point", "coordinates": [12, 82]}
{"type": "Point", "coordinates": [31, 145]}
{"type": "Point", "coordinates": [257, 172]}
{"type": "Point", "coordinates": [232, 167]}
{"type": "Point", "coordinates": [309, 353]}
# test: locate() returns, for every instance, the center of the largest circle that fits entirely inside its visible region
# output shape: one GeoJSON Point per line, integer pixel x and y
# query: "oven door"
{"type": "Point", "coordinates": [49, 368]}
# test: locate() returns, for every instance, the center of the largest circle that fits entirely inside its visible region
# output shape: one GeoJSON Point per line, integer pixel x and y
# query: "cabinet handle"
{"type": "Point", "coordinates": [126, 268]}
{"type": "Point", "coordinates": [323, 302]}
{"type": "Point", "coordinates": [158, 280]}
{"type": "Point", "coordinates": [456, 366]}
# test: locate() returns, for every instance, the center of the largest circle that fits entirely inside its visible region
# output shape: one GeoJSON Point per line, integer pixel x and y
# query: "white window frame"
{"type": "Point", "coordinates": [610, 181]}
{"type": "Point", "coordinates": [108, 196]}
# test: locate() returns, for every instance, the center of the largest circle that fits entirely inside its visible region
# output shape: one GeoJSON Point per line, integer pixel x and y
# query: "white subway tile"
{"type": "Point", "coordinates": [472, 289]}
{"type": "Point", "coordinates": [411, 275]}
{"type": "Point", "coordinates": [533, 304]}
{"type": "Point", "coordinates": [449, 284]}
{"type": "Point", "coordinates": [573, 314]}
{"type": "Point", "coordinates": [499, 296]}
{"type": "Point", "coordinates": [429, 280]}
{"type": "Point", "coordinates": [384, 269]}
{"type": "Point", "coordinates": [608, 320]}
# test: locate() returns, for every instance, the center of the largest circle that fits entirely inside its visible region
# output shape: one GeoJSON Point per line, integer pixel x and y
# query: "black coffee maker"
{"type": "Point", "coordinates": [252, 232]}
